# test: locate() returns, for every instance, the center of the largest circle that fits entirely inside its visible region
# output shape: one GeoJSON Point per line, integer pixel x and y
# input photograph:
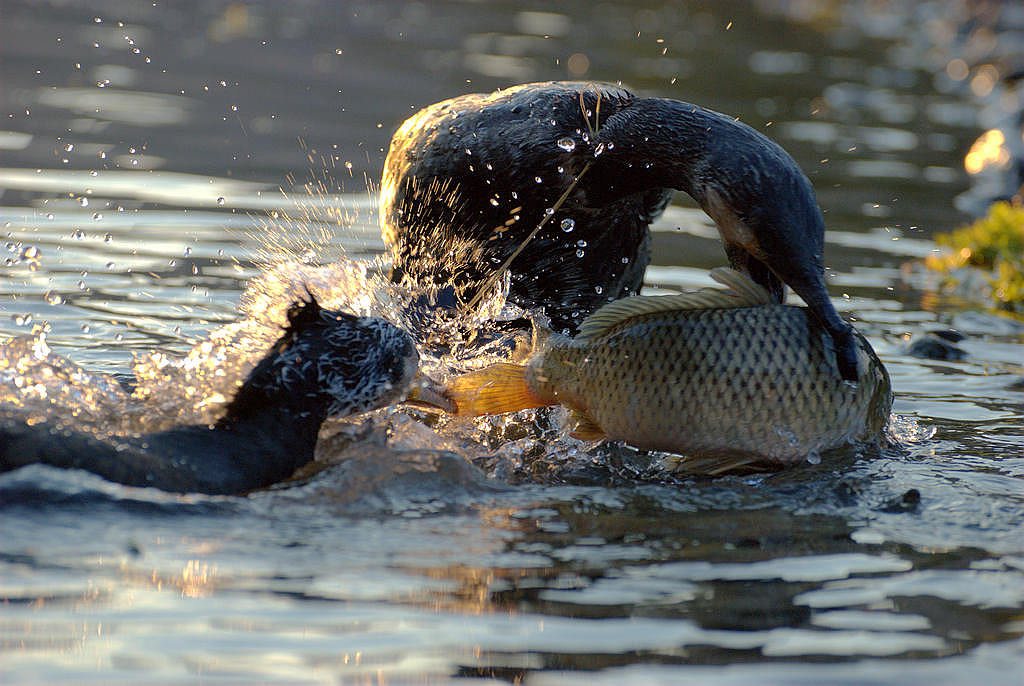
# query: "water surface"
{"type": "Point", "coordinates": [158, 162]}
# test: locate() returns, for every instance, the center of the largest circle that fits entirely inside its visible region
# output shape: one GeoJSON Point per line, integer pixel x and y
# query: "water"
{"type": "Point", "coordinates": [141, 199]}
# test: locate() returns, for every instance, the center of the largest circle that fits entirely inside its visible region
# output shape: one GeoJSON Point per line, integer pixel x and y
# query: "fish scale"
{"type": "Point", "coordinates": [711, 374]}
{"type": "Point", "coordinates": [731, 380]}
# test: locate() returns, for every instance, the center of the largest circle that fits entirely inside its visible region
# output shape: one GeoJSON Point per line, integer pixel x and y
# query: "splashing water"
{"type": "Point", "coordinates": [903, 429]}
{"type": "Point", "coordinates": [41, 385]}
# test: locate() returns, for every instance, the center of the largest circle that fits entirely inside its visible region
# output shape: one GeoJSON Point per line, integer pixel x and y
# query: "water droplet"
{"type": "Point", "coordinates": [599, 149]}
{"type": "Point", "coordinates": [119, 337]}
{"type": "Point", "coordinates": [568, 225]}
{"type": "Point", "coordinates": [84, 202]}
{"type": "Point", "coordinates": [53, 297]}
{"type": "Point", "coordinates": [220, 200]}
{"type": "Point", "coordinates": [580, 253]}
{"type": "Point", "coordinates": [549, 211]}
{"type": "Point", "coordinates": [468, 151]}
{"type": "Point", "coordinates": [94, 173]}
{"type": "Point", "coordinates": [568, 144]}
{"type": "Point", "coordinates": [97, 216]}
{"type": "Point", "coordinates": [172, 263]}
{"type": "Point", "coordinates": [188, 251]}
{"type": "Point", "coordinates": [581, 244]}
{"type": "Point", "coordinates": [49, 215]}
{"type": "Point", "coordinates": [494, 201]}
{"type": "Point", "coordinates": [537, 179]}
{"type": "Point", "coordinates": [30, 253]}
{"type": "Point", "coordinates": [81, 285]}
{"type": "Point", "coordinates": [110, 265]}
{"type": "Point", "coordinates": [69, 147]}
{"type": "Point", "coordinates": [86, 328]}
{"type": "Point", "coordinates": [625, 260]}
{"type": "Point", "coordinates": [78, 234]}
{"type": "Point", "coordinates": [598, 290]}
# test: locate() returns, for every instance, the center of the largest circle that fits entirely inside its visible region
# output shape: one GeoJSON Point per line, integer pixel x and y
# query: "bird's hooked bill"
{"type": "Point", "coordinates": [429, 394]}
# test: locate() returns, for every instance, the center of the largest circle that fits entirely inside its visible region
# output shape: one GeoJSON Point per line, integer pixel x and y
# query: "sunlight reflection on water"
{"type": "Point", "coordinates": [544, 562]}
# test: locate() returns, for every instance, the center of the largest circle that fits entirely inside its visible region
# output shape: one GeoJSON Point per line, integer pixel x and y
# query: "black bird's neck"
{"type": "Point", "coordinates": [652, 143]}
{"type": "Point", "coordinates": [284, 424]}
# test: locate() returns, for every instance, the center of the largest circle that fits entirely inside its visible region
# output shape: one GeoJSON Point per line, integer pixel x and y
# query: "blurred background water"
{"type": "Point", "coordinates": [156, 159]}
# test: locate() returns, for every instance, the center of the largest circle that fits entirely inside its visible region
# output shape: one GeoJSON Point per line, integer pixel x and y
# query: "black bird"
{"type": "Point", "coordinates": [466, 181]}
{"type": "Point", "coordinates": [326, 364]}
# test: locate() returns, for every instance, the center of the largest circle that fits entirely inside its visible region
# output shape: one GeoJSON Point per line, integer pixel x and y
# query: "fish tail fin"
{"type": "Point", "coordinates": [492, 390]}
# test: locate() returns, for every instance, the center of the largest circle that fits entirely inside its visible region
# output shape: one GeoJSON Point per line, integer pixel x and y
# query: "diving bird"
{"type": "Point", "coordinates": [325, 364]}
{"type": "Point", "coordinates": [467, 180]}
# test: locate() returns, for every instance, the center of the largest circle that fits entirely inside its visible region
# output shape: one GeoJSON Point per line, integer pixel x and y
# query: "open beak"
{"type": "Point", "coordinates": [427, 393]}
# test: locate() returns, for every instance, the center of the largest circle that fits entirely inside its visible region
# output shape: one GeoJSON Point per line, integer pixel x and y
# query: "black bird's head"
{"type": "Point", "coordinates": [330, 363]}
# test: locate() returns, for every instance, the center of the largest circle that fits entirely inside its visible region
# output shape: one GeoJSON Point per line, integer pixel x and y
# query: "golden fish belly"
{"type": "Point", "coordinates": [753, 380]}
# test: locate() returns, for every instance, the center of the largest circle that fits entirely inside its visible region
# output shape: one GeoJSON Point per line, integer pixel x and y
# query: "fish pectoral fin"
{"type": "Point", "coordinates": [585, 428]}
{"type": "Point", "coordinates": [716, 465]}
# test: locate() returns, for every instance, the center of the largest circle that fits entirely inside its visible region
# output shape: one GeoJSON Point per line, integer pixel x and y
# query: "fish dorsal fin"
{"type": "Point", "coordinates": [748, 293]}
{"type": "Point", "coordinates": [744, 292]}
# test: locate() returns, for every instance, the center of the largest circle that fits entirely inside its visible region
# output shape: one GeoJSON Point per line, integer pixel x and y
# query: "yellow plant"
{"type": "Point", "coordinates": [994, 243]}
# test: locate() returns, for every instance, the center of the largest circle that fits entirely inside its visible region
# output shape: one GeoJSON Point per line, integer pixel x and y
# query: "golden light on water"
{"type": "Point", "coordinates": [957, 69]}
{"type": "Point", "coordinates": [984, 80]}
{"type": "Point", "coordinates": [196, 579]}
{"type": "Point", "coordinates": [990, 149]}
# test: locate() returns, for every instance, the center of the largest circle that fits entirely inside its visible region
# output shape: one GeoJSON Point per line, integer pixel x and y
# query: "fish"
{"type": "Point", "coordinates": [726, 378]}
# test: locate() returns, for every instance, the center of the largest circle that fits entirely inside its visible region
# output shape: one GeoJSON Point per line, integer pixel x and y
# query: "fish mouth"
{"type": "Point", "coordinates": [429, 394]}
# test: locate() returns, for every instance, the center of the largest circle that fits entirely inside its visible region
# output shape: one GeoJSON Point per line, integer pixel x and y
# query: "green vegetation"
{"type": "Point", "coordinates": [994, 244]}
